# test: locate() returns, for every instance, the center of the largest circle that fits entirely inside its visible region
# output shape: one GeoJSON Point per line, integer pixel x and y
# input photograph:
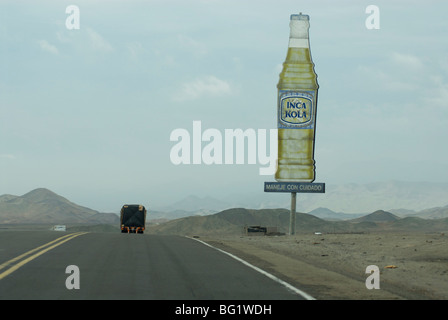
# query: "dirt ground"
{"type": "Point", "coordinates": [333, 266]}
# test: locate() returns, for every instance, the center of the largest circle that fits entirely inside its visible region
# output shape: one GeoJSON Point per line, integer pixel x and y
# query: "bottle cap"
{"type": "Point", "coordinates": [300, 16]}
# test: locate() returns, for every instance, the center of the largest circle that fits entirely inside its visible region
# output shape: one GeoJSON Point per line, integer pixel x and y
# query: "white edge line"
{"type": "Point", "coordinates": [267, 274]}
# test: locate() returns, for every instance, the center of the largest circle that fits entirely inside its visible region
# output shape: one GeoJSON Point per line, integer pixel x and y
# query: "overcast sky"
{"type": "Point", "coordinates": [88, 113]}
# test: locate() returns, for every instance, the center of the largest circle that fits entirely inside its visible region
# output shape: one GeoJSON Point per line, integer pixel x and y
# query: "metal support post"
{"type": "Point", "coordinates": [292, 217]}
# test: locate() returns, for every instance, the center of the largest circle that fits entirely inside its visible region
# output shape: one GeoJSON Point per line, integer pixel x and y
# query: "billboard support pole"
{"type": "Point", "coordinates": [292, 215]}
{"type": "Point", "coordinates": [294, 188]}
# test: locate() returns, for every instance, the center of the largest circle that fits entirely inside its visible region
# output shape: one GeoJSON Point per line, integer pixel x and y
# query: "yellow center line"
{"type": "Point", "coordinates": [5, 264]}
{"type": "Point", "coordinates": [58, 241]}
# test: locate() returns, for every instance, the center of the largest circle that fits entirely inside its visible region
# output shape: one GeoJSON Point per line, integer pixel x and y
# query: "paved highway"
{"type": "Point", "coordinates": [125, 266]}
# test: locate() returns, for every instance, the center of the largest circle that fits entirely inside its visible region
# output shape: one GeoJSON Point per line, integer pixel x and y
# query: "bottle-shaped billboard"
{"type": "Point", "coordinates": [296, 107]}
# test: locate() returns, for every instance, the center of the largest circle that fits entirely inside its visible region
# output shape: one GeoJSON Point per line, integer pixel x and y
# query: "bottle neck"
{"type": "Point", "coordinates": [298, 43]}
{"type": "Point", "coordinates": [298, 36]}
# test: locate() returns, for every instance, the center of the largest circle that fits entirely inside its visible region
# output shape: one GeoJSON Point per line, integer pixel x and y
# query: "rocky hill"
{"type": "Point", "coordinates": [41, 206]}
{"type": "Point", "coordinates": [233, 221]}
{"type": "Point", "coordinates": [377, 216]}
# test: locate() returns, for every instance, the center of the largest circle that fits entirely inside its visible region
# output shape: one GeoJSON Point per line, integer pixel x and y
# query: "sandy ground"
{"type": "Point", "coordinates": [333, 266]}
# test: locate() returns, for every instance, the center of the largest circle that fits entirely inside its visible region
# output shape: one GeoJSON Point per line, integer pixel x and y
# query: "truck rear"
{"type": "Point", "coordinates": [132, 218]}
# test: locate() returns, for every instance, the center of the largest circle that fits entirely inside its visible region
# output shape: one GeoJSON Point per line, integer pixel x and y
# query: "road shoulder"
{"type": "Point", "coordinates": [318, 281]}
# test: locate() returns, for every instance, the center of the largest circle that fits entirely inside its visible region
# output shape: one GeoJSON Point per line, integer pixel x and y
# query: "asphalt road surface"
{"type": "Point", "coordinates": [125, 266]}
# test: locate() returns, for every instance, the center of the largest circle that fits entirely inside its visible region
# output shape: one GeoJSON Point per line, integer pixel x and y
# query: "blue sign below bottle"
{"type": "Point", "coordinates": [300, 187]}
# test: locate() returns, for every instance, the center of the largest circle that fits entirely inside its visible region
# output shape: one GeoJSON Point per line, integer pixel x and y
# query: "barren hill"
{"type": "Point", "coordinates": [233, 221]}
{"type": "Point", "coordinates": [44, 206]}
{"type": "Point", "coordinates": [377, 216]}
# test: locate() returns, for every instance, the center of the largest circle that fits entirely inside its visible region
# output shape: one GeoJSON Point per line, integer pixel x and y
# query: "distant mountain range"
{"type": "Point", "coordinates": [232, 221]}
{"type": "Point", "coordinates": [44, 206]}
{"type": "Point", "coordinates": [195, 203]}
{"type": "Point", "coordinates": [323, 213]}
{"type": "Point", "coordinates": [432, 213]}
{"type": "Point", "coordinates": [398, 197]}
{"type": "Point", "coordinates": [387, 195]}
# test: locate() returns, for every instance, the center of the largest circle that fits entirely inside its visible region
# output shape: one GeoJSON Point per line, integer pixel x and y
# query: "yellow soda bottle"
{"type": "Point", "coordinates": [296, 107]}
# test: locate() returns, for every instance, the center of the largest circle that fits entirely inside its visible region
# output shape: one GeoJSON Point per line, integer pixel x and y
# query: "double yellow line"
{"type": "Point", "coordinates": [43, 248]}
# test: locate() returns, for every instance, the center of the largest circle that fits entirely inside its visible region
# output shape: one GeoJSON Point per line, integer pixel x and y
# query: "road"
{"type": "Point", "coordinates": [125, 266]}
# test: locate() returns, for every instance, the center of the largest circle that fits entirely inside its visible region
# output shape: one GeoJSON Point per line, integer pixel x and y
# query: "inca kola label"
{"type": "Point", "coordinates": [296, 110]}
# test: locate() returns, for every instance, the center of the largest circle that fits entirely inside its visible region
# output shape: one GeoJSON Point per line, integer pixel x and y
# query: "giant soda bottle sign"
{"type": "Point", "coordinates": [296, 107]}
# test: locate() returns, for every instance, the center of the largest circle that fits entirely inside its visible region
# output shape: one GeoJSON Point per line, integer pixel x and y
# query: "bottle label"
{"type": "Point", "coordinates": [296, 109]}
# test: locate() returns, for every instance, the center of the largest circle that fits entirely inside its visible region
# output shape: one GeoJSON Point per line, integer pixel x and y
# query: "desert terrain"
{"type": "Point", "coordinates": [327, 258]}
{"type": "Point", "coordinates": [332, 266]}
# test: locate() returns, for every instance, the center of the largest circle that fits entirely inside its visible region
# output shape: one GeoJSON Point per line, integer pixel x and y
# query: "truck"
{"type": "Point", "coordinates": [132, 218]}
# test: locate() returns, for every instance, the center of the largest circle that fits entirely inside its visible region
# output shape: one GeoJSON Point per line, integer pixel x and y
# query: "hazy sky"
{"type": "Point", "coordinates": [88, 113]}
